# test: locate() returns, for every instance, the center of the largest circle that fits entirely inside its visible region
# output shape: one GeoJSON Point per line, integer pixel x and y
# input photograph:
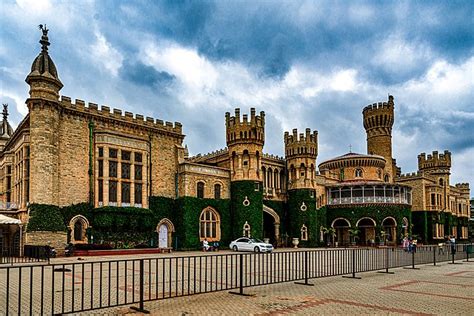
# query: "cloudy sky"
{"type": "Point", "coordinates": [309, 64]}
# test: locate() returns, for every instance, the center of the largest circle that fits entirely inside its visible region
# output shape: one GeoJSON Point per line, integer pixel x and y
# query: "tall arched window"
{"type": "Point", "coordinates": [210, 227]}
{"type": "Point", "coordinates": [358, 173]}
{"type": "Point", "coordinates": [246, 230]}
{"type": "Point", "coordinates": [386, 178]}
{"type": "Point", "coordinates": [441, 183]}
{"type": "Point", "coordinates": [217, 191]}
{"type": "Point", "coordinates": [200, 190]}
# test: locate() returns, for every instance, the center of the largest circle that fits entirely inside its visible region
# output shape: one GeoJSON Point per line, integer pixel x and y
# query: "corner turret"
{"type": "Point", "coordinates": [43, 79]}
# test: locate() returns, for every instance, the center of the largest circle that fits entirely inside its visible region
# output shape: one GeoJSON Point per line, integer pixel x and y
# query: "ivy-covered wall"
{"type": "Point", "coordinates": [188, 210]}
{"type": "Point", "coordinates": [306, 214]}
{"type": "Point", "coordinates": [376, 212]}
{"type": "Point", "coordinates": [252, 213]}
{"type": "Point", "coordinates": [45, 217]}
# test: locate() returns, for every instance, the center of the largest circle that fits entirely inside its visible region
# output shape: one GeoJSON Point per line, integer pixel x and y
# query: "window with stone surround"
{"type": "Point", "coordinates": [304, 232]}
{"type": "Point", "coordinates": [358, 173]}
{"type": "Point", "coordinates": [217, 191]}
{"type": "Point", "coordinates": [119, 177]}
{"type": "Point", "coordinates": [209, 227]}
{"type": "Point", "coordinates": [200, 190]}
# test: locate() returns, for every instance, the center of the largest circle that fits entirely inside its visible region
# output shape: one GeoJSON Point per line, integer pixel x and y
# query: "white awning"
{"type": "Point", "coordinates": [9, 220]}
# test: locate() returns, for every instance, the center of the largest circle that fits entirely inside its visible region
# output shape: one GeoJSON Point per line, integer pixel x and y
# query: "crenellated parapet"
{"type": "Point", "coordinates": [306, 145]}
{"type": "Point", "coordinates": [409, 176]}
{"type": "Point", "coordinates": [213, 154]}
{"type": "Point", "coordinates": [379, 118]}
{"type": "Point", "coordinates": [245, 130]}
{"type": "Point", "coordinates": [434, 161]}
{"type": "Point", "coordinates": [117, 114]}
{"type": "Point", "coordinates": [273, 157]}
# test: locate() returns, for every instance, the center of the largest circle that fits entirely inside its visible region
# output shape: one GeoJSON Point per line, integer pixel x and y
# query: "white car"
{"type": "Point", "coordinates": [250, 244]}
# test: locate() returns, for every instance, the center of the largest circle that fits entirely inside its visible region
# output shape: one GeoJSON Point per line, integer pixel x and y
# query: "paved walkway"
{"type": "Point", "coordinates": [447, 289]}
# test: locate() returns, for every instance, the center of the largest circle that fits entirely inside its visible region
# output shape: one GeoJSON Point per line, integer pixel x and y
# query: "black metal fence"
{"type": "Point", "coordinates": [30, 254]}
{"type": "Point", "coordinates": [82, 286]}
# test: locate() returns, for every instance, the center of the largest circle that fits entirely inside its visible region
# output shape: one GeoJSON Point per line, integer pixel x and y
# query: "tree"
{"type": "Point", "coordinates": [353, 233]}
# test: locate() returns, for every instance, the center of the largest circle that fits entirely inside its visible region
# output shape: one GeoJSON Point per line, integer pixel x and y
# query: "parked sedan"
{"type": "Point", "coordinates": [250, 244]}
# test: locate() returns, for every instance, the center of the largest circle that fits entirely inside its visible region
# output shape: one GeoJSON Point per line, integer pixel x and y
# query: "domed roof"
{"type": "Point", "coordinates": [353, 159]}
{"type": "Point", "coordinates": [43, 65]}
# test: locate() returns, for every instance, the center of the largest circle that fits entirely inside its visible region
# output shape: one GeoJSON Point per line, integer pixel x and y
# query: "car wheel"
{"type": "Point", "coordinates": [235, 248]}
{"type": "Point", "coordinates": [256, 249]}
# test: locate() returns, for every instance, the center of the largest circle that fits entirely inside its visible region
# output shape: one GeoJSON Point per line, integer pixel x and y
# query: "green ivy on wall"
{"type": "Point", "coordinates": [303, 214]}
{"type": "Point", "coordinates": [252, 213]}
{"type": "Point", "coordinates": [45, 217]}
{"type": "Point", "coordinates": [376, 212]}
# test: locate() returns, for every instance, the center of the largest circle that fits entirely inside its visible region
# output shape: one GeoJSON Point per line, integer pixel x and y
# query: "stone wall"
{"type": "Point", "coordinates": [58, 240]}
{"type": "Point", "coordinates": [191, 174]}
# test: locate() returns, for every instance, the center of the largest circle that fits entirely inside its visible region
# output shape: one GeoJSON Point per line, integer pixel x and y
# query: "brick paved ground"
{"type": "Point", "coordinates": [441, 290]}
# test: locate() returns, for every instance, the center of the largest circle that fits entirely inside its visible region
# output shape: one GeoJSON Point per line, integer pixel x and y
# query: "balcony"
{"type": "Point", "coordinates": [369, 194]}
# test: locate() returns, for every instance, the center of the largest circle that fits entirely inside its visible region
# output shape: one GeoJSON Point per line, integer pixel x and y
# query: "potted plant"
{"type": "Point", "coordinates": [353, 233]}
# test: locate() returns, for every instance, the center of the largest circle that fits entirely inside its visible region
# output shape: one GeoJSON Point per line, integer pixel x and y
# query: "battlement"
{"type": "Point", "coordinates": [434, 160]}
{"type": "Point", "coordinates": [216, 153]}
{"type": "Point", "coordinates": [379, 118]}
{"type": "Point", "coordinates": [407, 176]}
{"type": "Point", "coordinates": [117, 114]}
{"type": "Point", "coordinates": [379, 106]}
{"type": "Point", "coordinates": [304, 145]}
{"type": "Point", "coordinates": [462, 186]}
{"type": "Point", "coordinates": [244, 130]}
{"type": "Point", "coordinates": [273, 157]}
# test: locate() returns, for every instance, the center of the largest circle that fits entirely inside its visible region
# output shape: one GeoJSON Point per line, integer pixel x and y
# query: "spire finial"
{"type": "Point", "coordinates": [5, 111]}
{"type": "Point", "coordinates": [44, 39]}
{"type": "Point", "coordinates": [350, 148]}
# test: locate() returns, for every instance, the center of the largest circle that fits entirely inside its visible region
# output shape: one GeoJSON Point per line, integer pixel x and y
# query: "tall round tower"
{"type": "Point", "coordinates": [44, 112]}
{"type": "Point", "coordinates": [245, 139]}
{"type": "Point", "coordinates": [301, 153]}
{"type": "Point", "coordinates": [378, 122]}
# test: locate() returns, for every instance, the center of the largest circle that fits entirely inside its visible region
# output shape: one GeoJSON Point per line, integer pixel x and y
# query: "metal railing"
{"type": "Point", "coordinates": [75, 287]}
{"type": "Point", "coordinates": [30, 254]}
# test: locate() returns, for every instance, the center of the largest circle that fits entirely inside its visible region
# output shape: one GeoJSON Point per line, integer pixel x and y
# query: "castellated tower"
{"type": "Point", "coordinates": [301, 153]}
{"type": "Point", "coordinates": [437, 166]}
{"type": "Point", "coordinates": [245, 139]}
{"type": "Point", "coordinates": [43, 105]}
{"type": "Point", "coordinates": [378, 122]}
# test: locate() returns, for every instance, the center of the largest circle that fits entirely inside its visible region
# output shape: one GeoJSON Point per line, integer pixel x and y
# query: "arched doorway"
{"type": "Point", "coordinates": [165, 229]}
{"type": "Point", "coordinates": [271, 225]}
{"type": "Point", "coordinates": [405, 226]}
{"type": "Point", "coordinates": [389, 226]}
{"type": "Point", "coordinates": [78, 226]}
{"type": "Point", "coordinates": [341, 225]}
{"type": "Point", "coordinates": [367, 231]}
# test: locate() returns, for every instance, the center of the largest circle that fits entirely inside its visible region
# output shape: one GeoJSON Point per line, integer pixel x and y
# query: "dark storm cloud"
{"type": "Point", "coordinates": [144, 75]}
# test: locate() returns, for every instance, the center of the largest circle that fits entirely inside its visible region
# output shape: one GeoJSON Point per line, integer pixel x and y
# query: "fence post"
{"type": "Point", "coordinates": [141, 308]}
{"type": "Point", "coordinates": [353, 267]}
{"type": "Point", "coordinates": [306, 267]}
{"type": "Point", "coordinates": [412, 260]}
{"type": "Point", "coordinates": [468, 250]}
{"type": "Point", "coordinates": [241, 278]}
{"type": "Point", "coordinates": [387, 253]}
{"type": "Point", "coordinates": [453, 253]}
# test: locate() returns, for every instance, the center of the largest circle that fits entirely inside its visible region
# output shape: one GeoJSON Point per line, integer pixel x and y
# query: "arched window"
{"type": "Point", "coordinates": [386, 178]}
{"type": "Point", "coordinates": [358, 173]}
{"type": "Point", "coordinates": [304, 232]}
{"type": "Point", "coordinates": [217, 191]}
{"type": "Point", "coordinates": [441, 181]}
{"type": "Point", "coordinates": [210, 227]}
{"type": "Point", "coordinates": [246, 230]}
{"type": "Point", "coordinates": [200, 190]}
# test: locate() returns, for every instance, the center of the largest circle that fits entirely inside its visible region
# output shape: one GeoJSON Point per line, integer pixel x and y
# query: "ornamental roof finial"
{"type": "Point", "coordinates": [44, 39]}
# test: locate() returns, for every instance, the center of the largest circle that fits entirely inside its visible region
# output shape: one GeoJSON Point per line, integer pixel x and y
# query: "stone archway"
{"type": "Point", "coordinates": [276, 222]}
{"type": "Point", "coordinates": [78, 226]}
{"type": "Point", "coordinates": [341, 225]}
{"type": "Point", "coordinates": [389, 225]}
{"type": "Point", "coordinates": [165, 230]}
{"type": "Point", "coordinates": [367, 230]}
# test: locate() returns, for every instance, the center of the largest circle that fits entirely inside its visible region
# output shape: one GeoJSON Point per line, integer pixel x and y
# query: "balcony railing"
{"type": "Point", "coordinates": [368, 199]}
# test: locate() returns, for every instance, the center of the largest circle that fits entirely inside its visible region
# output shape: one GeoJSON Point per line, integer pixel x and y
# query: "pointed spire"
{"type": "Point", "coordinates": [5, 111]}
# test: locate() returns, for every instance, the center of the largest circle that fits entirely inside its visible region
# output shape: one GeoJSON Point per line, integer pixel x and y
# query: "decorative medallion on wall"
{"type": "Point", "coordinates": [303, 207]}
{"type": "Point", "coordinates": [246, 201]}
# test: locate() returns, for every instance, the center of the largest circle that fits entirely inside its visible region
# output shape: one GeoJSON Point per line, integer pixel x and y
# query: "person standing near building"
{"type": "Point", "coordinates": [452, 241]}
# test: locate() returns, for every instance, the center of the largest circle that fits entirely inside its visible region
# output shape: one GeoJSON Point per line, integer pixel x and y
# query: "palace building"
{"type": "Point", "coordinates": [80, 173]}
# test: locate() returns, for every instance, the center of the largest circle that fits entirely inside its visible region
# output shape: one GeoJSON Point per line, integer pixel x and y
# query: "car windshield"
{"type": "Point", "coordinates": [254, 240]}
